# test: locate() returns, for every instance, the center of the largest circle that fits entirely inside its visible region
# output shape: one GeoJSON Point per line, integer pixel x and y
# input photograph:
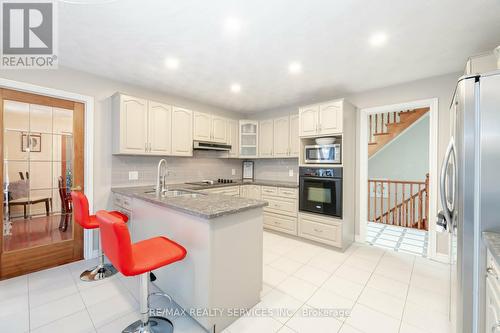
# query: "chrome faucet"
{"type": "Point", "coordinates": [161, 177]}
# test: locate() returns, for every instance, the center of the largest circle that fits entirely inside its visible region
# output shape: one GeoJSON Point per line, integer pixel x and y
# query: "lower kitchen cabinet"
{"type": "Point", "coordinates": [492, 308]}
{"type": "Point", "coordinates": [250, 192]}
{"type": "Point", "coordinates": [320, 229]}
{"type": "Point", "coordinates": [228, 190]}
{"type": "Point", "coordinates": [281, 223]}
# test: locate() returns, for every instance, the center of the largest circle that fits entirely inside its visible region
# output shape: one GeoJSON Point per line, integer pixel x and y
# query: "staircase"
{"type": "Point", "coordinates": [384, 127]}
{"type": "Point", "coordinates": [398, 202]}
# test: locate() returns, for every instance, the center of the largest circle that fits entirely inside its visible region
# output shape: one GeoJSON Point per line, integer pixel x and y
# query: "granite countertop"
{"type": "Point", "coordinates": [207, 206]}
{"type": "Point", "coordinates": [492, 242]}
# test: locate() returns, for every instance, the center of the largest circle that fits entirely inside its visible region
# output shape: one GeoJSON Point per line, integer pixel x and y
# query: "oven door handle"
{"type": "Point", "coordinates": [321, 178]}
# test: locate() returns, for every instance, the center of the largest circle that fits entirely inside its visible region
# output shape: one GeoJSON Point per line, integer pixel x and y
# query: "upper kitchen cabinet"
{"type": "Point", "coordinates": [266, 138]}
{"type": "Point", "coordinates": [159, 129]}
{"type": "Point", "coordinates": [322, 119]}
{"type": "Point", "coordinates": [209, 127]}
{"type": "Point", "coordinates": [308, 120]}
{"type": "Point", "coordinates": [141, 127]}
{"type": "Point", "coordinates": [233, 138]}
{"type": "Point", "coordinates": [249, 138]}
{"type": "Point", "coordinates": [294, 136]}
{"type": "Point", "coordinates": [182, 132]}
{"type": "Point", "coordinates": [330, 118]}
{"type": "Point", "coordinates": [281, 140]}
{"type": "Point", "coordinates": [130, 116]}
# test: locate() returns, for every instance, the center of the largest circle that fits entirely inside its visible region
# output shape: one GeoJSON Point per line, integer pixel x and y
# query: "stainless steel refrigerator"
{"type": "Point", "coordinates": [470, 194]}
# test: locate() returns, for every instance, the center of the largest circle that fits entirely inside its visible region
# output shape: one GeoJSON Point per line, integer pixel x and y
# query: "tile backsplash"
{"type": "Point", "coordinates": [277, 169]}
{"type": "Point", "coordinates": [203, 165]}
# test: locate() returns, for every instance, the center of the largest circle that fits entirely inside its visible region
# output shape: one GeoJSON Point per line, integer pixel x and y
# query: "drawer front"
{"type": "Point", "coordinates": [269, 190]}
{"type": "Point", "coordinates": [122, 201]}
{"type": "Point", "coordinates": [233, 190]}
{"type": "Point", "coordinates": [281, 206]}
{"type": "Point", "coordinates": [287, 192]}
{"type": "Point", "coordinates": [324, 219]}
{"type": "Point", "coordinates": [280, 223]}
{"type": "Point", "coordinates": [324, 233]}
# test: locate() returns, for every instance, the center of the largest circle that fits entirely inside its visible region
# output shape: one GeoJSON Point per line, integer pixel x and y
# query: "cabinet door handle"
{"type": "Point", "coordinates": [490, 271]}
{"type": "Point", "coordinates": [318, 230]}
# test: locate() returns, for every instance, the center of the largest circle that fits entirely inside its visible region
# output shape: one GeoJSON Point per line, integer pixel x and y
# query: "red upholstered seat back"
{"type": "Point", "coordinates": [81, 210]}
{"type": "Point", "coordinates": [116, 242]}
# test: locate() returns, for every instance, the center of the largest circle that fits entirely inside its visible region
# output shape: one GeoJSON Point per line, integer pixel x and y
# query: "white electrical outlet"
{"type": "Point", "coordinates": [233, 172]}
{"type": "Point", "coordinates": [290, 172]}
{"type": "Point", "coordinates": [133, 175]}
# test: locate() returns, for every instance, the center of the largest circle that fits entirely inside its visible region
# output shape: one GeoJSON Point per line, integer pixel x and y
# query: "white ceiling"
{"type": "Point", "coordinates": [129, 40]}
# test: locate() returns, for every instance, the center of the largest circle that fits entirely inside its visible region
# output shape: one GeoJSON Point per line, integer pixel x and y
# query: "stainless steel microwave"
{"type": "Point", "coordinates": [324, 154]}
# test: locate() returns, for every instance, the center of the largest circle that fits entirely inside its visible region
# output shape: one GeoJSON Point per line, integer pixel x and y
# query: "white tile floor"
{"type": "Point", "coordinates": [398, 239]}
{"type": "Point", "coordinates": [380, 290]}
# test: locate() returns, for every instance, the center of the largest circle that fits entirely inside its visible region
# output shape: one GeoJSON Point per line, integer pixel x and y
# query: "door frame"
{"type": "Point", "coordinates": [433, 105]}
{"type": "Point", "coordinates": [88, 101]}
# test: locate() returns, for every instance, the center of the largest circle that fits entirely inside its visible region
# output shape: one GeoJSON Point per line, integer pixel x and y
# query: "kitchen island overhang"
{"type": "Point", "coordinates": [221, 276]}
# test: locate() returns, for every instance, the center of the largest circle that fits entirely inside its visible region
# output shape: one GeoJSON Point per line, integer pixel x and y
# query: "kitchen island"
{"type": "Point", "coordinates": [222, 272]}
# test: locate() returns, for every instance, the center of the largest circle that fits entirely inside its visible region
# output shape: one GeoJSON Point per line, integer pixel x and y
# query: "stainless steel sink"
{"type": "Point", "coordinates": [175, 193]}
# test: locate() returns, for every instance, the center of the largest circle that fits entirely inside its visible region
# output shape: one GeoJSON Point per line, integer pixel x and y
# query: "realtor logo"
{"type": "Point", "coordinates": [28, 34]}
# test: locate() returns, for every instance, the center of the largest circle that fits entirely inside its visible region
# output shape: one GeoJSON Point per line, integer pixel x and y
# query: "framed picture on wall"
{"type": "Point", "coordinates": [31, 142]}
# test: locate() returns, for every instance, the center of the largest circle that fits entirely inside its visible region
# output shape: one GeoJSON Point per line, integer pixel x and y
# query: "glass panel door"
{"type": "Point", "coordinates": [37, 175]}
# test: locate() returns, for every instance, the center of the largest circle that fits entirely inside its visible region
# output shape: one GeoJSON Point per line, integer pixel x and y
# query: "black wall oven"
{"type": "Point", "coordinates": [320, 191]}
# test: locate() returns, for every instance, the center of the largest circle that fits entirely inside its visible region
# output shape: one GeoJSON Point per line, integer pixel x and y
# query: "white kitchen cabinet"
{"type": "Point", "coordinates": [207, 127]}
{"type": "Point", "coordinates": [320, 229]}
{"type": "Point", "coordinates": [202, 126]}
{"type": "Point", "coordinates": [249, 138]}
{"type": "Point", "coordinates": [281, 212]}
{"type": "Point", "coordinates": [492, 313]}
{"type": "Point", "coordinates": [159, 129]}
{"type": "Point", "coordinates": [182, 132]}
{"type": "Point", "coordinates": [141, 127]}
{"type": "Point", "coordinates": [330, 118]}
{"type": "Point", "coordinates": [219, 129]}
{"type": "Point", "coordinates": [294, 136]}
{"type": "Point", "coordinates": [233, 191]}
{"type": "Point", "coordinates": [281, 137]}
{"type": "Point", "coordinates": [266, 138]}
{"type": "Point", "coordinates": [233, 138]}
{"type": "Point", "coordinates": [130, 116]}
{"type": "Point", "coordinates": [250, 192]}
{"type": "Point", "coordinates": [321, 119]}
{"type": "Point", "coordinates": [309, 117]}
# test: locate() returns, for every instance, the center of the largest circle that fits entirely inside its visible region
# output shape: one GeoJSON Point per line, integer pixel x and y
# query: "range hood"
{"type": "Point", "coordinates": [203, 145]}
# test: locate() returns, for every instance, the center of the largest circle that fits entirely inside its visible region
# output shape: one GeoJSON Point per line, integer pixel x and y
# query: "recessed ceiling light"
{"type": "Point", "coordinates": [295, 67]}
{"type": "Point", "coordinates": [172, 63]}
{"type": "Point", "coordinates": [232, 25]}
{"type": "Point", "coordinates": [235, 88]}
{"type": "Point", "coordinates": [378, 39]}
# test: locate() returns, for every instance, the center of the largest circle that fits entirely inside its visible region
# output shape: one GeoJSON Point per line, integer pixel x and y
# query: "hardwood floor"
{"type": "Point", "coordinates": [38, 231]}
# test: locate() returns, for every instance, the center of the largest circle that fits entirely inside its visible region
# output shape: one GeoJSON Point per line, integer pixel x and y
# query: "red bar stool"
{"type": "Point", "coordinates": [82, 217]}
{"type": "Point", "coordinates": [138, 259]}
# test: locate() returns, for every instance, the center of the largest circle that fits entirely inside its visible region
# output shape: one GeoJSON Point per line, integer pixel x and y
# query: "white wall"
{"type": "Point", "coordinates": [406, 157]}
{"type": "Point", "coordinates": [102, 89]}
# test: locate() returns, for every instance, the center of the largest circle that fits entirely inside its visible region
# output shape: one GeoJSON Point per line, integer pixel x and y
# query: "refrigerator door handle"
{"type": "Point", "coordinates": [444, 217]}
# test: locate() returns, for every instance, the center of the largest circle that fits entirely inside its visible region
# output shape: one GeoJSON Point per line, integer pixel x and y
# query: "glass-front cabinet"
{"type": "Point", "coordinates": [249, 139]}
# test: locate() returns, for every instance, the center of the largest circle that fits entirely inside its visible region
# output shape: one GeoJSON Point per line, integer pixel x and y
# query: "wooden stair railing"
{"type": "Point", "coordinates": [384, 127]}
{"type": "Point", "coordinates": [400, 203]}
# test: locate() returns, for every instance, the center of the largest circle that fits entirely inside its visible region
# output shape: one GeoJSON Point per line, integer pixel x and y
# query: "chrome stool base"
{"type": "Point", "coordinates": [155, 325]}
{"type": "Point", "coordinates": [98, 273]}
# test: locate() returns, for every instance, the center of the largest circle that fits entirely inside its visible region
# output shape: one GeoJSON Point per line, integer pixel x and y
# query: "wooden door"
{"type": "Point", "coordinates": [219, 129]}
{"type": "Point", "coordinates": [202, 126]}
{"type": "Point", "coordinates": [294, 136]}
{"type": "Point", "coordinates": [233, 137]}
{"type": "Point", "coordinates": [134, 125]}
{"type": "Point", "coordinates": [266, 138]}
{"type": "Point", "coordinates": [42, 149]}
{"type": "Point", "coordinates": [182, 132]}
{"type": "Point", "coordinates": [159, 129]}
{"type": "Point", "coordinates": [330, 118]}
{"type": "Point", "coordinates": [281, 137]}
{"type": "Point", "coordinates": [308, 124]}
